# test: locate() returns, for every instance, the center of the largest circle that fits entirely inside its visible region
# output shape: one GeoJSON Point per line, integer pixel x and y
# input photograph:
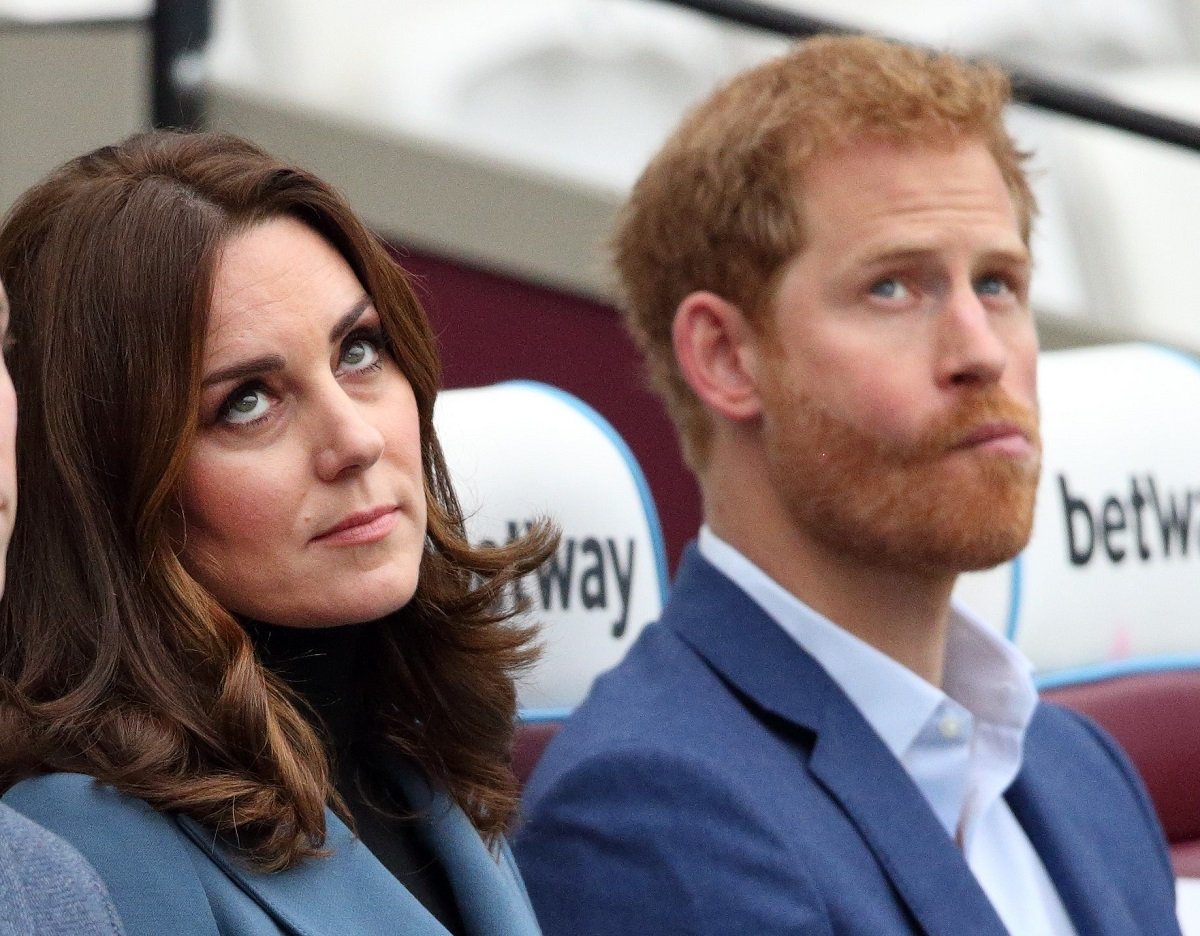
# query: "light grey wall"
{"type": "Point", "coordinates": [65, 89]}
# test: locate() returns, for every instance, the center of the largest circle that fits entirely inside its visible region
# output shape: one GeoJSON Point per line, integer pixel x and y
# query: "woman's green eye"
{"type": "Point", "coordinates": [356, 353]}
{"type": "Point", "coordinates": [245, 406]}
{"type": "Point", "coordinates": [360, 354]}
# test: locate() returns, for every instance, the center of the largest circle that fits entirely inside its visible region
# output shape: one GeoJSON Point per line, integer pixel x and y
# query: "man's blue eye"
{"type": "Point", "coordinates": [991, 286]}
{"type": "Point", "coordinates": [890, 288]}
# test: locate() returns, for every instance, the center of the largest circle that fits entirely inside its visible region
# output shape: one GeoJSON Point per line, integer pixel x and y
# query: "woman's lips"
{"type": "Point", "coordinates": [366, 526]}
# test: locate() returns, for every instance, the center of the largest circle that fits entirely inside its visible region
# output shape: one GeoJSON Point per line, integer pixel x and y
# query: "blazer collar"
{"type": "Point", "coordinates": [349, 891]}
{"type": "Point", "coordinates": [771, 672]}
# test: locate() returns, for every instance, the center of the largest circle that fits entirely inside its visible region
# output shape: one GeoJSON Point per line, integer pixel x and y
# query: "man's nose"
{"type": "Point", "coordinates": [971, 351]}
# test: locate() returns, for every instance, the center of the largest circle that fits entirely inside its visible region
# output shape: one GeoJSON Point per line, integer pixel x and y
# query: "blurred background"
{"type": "Point", "coordinates": [491, 144]}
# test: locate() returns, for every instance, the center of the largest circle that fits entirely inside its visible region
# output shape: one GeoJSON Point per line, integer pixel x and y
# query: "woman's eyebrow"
{"type": "Point", "coordinates": [346, 322]}
{"type": "Point", "coordinates": [275, 362]}
{"type": "Point", "coordinates": [259, 365]}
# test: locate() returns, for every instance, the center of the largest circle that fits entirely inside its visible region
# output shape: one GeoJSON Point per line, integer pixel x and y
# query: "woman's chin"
{"type": "Point", "coordinates": [364, 605]}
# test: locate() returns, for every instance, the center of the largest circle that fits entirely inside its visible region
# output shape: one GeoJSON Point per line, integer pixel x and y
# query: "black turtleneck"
{"type": "Point", "coordinates": [322, 666]}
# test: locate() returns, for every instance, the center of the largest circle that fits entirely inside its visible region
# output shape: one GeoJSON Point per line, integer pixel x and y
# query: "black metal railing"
{"type": "Point", "coordinates": [179, 31]}
{"type": "Point", "coordinates": [181, 28]}
{"type": "Point", "coordinates": [1028, 88]}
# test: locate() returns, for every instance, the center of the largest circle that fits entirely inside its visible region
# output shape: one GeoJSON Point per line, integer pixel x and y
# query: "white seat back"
{"type": "Point", "coordinates": [520, 450]}
{"type": "Point", "coordinates": [1110, 581]}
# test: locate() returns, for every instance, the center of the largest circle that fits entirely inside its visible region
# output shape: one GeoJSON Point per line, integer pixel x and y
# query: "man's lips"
{"type": "Point", "coordinates": [1002, 438]}
{"type": "Point", "coordinates": [364, 526]}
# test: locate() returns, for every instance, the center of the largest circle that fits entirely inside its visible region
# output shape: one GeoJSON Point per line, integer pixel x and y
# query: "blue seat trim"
{"type": "Point", "coordinates": [1176, 353]}
{"type": "Point", "coordinates": [635, 470]}
{"type": "Point", "coordinates": [540, 715]}
{"type": "Point", "coordinates": [1098, 672]}
{"type": "Point", "coordinates": [1015, 582]}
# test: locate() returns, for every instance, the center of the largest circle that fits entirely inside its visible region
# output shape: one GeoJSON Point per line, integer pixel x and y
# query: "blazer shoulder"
{"type": "Point", "coordinates": [46, 886]}
{"type": "Point", "coordinates": [607, 848]}
{"type": "Point", "coordinates": [144, 859]}
{"type": "Point", "coordinates": [1055, 727]}
{"type": "Point", "coordinates": [1085, 756]}
{"type": "Point", "coordinates": [88, 813]}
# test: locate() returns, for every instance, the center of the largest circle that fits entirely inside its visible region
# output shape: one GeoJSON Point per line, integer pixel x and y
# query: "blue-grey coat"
{"type": "Point", "coordinates": [168, 874]}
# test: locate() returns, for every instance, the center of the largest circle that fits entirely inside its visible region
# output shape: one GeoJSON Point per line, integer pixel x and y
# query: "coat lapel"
{"type": "Point", "coordinates": [487, 886]}
{"type": "Point", "coordinates": [848, 759]}
{"type": "Point", "coordinates": [348, 891]}
{"type": "Point", "coordinates": [926, 868]}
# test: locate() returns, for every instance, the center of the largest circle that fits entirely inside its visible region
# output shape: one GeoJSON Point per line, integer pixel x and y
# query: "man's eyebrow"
{"type": "Point", "coordinates": [902, 253]}
{"type": "Point", "coordinates": [346, 322]}
{"type": "Point", "coordinates": [1020, 254]}
{"type": "Point", "coordinates": [259, 365]}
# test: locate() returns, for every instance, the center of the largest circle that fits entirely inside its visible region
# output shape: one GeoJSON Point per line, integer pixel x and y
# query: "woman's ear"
{"type": "Point", "coordinates": [716, 348]}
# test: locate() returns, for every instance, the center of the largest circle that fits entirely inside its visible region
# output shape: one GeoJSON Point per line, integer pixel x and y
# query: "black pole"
{"type": "Point", "coordinates": [766, 16]}
{"type": "Point", "coordinates": [1028, 88]}
{"type": "Point", "coordinates": [1096, 108]}
{"type": "Point", "coordinates": [179, 31]}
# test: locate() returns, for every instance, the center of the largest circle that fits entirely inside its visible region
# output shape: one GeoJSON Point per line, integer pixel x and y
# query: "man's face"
{"type": "Point", "coordinates": [899, 377]}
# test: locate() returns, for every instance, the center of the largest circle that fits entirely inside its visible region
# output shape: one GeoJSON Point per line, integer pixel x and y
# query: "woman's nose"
{"type": "Point", "coordinates": [349, 440]}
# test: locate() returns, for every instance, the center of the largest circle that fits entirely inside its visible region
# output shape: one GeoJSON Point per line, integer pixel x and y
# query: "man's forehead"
{"type": "Point", "coordinates": [881, 189]}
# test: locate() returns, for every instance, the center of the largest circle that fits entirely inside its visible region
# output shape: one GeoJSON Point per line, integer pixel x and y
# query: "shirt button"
{"type": "Point", "coordinates": [950, 728]}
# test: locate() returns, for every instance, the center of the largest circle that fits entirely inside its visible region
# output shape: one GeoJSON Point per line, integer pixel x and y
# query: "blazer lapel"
{"type": "Point", "coordinates": [348, 891]}
{"type": "Point", "coordinates": [848, 759]}
{"type": "Point", "coordinates": [893, 817]}
{"type": "Point", "coordinates": [1094, 905]}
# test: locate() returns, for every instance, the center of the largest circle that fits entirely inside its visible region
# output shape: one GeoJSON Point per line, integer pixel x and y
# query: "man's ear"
{"type": "Point", "coordinates": [716, 347]}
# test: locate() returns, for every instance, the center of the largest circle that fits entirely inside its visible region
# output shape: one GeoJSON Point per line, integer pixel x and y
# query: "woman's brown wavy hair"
{"type": "Point", "coordinates": [114, 661]}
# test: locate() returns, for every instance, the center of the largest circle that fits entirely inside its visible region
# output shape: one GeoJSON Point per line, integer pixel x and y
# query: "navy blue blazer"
{"type": "Point", "coordinates": [718, 781]}
{"type": "Point", "coordinates": [169, 875]}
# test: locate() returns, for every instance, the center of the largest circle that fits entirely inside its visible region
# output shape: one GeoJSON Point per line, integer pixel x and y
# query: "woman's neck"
{"type": "Point", "coordinates": [321, 665]}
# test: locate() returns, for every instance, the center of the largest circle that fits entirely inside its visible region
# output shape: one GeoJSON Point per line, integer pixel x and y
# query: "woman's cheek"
{"type": "Point", "coordinates": [237, 499]}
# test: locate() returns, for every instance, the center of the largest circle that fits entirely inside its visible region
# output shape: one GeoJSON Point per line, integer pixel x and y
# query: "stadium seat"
{"type": "Point", "coordinates": [521, 450]}
{"type": "Point", "coordinates": [1104, 599]}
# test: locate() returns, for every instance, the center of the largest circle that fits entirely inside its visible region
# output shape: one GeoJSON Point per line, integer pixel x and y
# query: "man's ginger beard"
{"type": "Point", "coordinates": [916, 506]}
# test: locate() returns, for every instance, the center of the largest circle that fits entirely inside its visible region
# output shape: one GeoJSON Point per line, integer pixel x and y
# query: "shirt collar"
{"type": "Point", "coordinates": [984, 673]}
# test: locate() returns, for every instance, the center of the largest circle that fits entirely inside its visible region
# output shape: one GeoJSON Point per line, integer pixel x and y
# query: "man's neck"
{"type": "Point", "coordinates": [902, 613]}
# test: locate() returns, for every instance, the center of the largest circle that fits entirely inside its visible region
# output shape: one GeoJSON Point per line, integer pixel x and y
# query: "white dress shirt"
{"type": "Point", "coordinates": [961, 746]}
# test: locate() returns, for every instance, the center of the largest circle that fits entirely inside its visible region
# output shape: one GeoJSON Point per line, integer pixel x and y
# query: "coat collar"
{"type": "Point", "coordinates": [487, 885]}
{"type": "Point", "coordinates": [770, 671]}
{"type": "Point", "coordinates": [349, 891]}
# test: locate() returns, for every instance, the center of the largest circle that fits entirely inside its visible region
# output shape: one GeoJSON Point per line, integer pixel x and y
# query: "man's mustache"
{"type": "Point", "coordinates": [955, 428]}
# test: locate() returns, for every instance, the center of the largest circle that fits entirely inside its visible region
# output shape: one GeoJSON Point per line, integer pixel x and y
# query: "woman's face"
{"type": "Point", "coordinates": [8, 444]}
{"type": "Point", "coordinates": [302, 494]}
